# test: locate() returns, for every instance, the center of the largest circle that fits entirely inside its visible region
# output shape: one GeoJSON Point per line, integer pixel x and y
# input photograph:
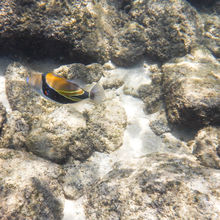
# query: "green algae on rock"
{"type": "Point", "coordinates": [191, 87]}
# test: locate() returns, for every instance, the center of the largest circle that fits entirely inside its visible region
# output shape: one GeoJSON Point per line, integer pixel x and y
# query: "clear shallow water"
{"type": "Point", "coordinates": [139, 140]}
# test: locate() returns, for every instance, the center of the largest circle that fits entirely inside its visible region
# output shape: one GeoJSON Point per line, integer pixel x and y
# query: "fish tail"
{"type": "Point", "coordinates": [97, 93]}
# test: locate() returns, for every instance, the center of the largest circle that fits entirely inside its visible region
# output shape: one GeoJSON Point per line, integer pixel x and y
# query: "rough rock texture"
{"type": "Point", "coordinates": [200, 4]}
{"type": "Point", "coordinates": [87, 74]}
{"type": "Point", "coordinates": [29, 187]}
{"type": "Point", "coordinates": [212, 33]}
{"type": "Point", "coordinates": [128, 45]}
{"type": "Point", "coordinates": [2, 116]}
{"type": "Point", "coordinates": [160, 125]}
{"type": "Point", "coordinates": [161, 186]}
{"type": "Point", "coordinates": [58, 132]}
{"type": "Point", "coordinates": [14, 132]}
{"type": "Point", "coordinates": [53, 135]}
{"type": "Point", "coordinates": [151, 94]}
{"type": "Point", "coordinates": [81, 177]}
{"type": "Point", "coordinates": [171, 27]}
{"type": "Point", "coordinates": [206, 147]}
{"type": "Point", "coordinates": [64, 29]}
{"type": "Point", "coordinates": [191, 88]}
{"type": "Point", "coordinates": [105, 126]}
{"type": "Point", "coordinates": [88, 31]}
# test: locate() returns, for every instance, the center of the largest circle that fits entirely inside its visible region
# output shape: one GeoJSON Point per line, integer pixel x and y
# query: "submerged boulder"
{"type": "Point", "coordinates": [211, 34]}
{"type": "Point", "coordinates": [30, 187]}
{"type": "Point", "coordinates": [79, 31]}
{"type": "Point", "coordinates": [97, 31]}
{"type": "Point", "coordinates": [170, 27]}
{"type": "Point", "coordinates": [206, 147]}
{"type": "Point", "coordinates": [159, 186]}
{"type": "Point", "coordinates": [14, 132]}
{"type": "Point", "coordinates": [77, 71]}
{"type": "Point", "coordinates": [128, 45]}
{"type": "Point", "coordinates": [191, 88]}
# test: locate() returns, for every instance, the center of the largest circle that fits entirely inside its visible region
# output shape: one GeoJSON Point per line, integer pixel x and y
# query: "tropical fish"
{"type": "Point", "coordinates": [61, 90]}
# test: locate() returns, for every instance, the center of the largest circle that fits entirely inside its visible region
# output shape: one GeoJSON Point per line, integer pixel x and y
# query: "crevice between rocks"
{"type": "Point", "coordinates": [33, 48]}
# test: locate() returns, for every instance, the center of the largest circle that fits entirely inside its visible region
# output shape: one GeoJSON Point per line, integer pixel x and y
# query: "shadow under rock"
{"type": "Point", "coordinates": [31, 48]}
{"type": "Point", "coordinates": [46, 206]}
{"type": "Point", "coordinates": [184, 133]}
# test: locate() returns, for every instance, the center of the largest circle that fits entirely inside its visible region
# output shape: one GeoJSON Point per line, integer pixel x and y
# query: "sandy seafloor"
{"type": "Point", "coordinates": [139, 139]}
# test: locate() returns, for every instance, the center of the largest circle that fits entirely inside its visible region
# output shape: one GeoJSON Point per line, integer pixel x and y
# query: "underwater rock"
{"type": "Point", "coordinates": [112, 83]}
{"type": "Point", "coordinates": [20, 96]}
{"type": "Point", "coordinates": [105, 125]}
{"type": "Point", "coordinates": [128, 45]}
{"type": "Point", "coordinates": [97, 31]}
{"type": "Point", "coordinates": [206, 146]}
{"type": "Point", "coordinates": [159, 186]}
{"type": "Point", "coordinates": [151, 94]}
{"type": "Point", "coordinates": [160, 125]}
{"type": "Point", "coordinates": [171, 27]}
{"type": "Point", "coordinates": [85, 73]}
{"type": "Point", "coordinates": [78, 31]}
{"type": "Point", "coordinates": [191, 87]}
{"type": "Point", "coordinates": [14, 132]}
{"type": "Point", "coordinates": [79, 178]}
{"type": "Point", "coordinates": [53, 135]}
{"type": "Point", "coordinates": [46, 135]}
{"type": "Point", "coordinates": [29, 186]}
{"type": "Point", "coordinates": [212, 34]}
{"type": "Point", "coordinates": [2, 116]}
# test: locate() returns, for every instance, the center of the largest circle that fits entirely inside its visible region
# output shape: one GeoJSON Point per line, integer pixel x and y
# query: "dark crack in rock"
{"type": "Point", "coordinates": [2, 116]}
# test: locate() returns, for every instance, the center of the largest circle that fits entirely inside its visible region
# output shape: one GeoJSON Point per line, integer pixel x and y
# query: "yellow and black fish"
{"type": "Point", "coordinates": [63, 91]}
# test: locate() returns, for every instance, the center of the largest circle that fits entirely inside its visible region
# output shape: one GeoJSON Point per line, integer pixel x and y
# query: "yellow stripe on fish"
{"type": "Point", "coordinates": [59, 83]}
{"type": "Point", "coordinates": [71, 93]}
